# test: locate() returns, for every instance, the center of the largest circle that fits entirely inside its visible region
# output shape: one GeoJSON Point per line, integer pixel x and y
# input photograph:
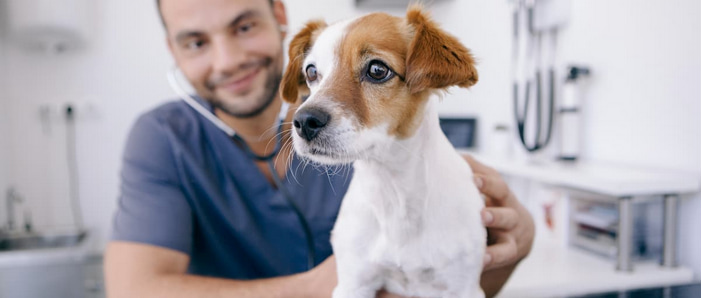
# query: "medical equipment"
{"type": "Point", "coordinates": [173, 82]}
{"type": "Point", "coordinates": [459, 131]}
{"type": "Point", "coordinates": [48, 26]}
{"type": "Point", "coordinates": [71, 156]}
{"type": "Point", "coordinates": [570, 114]}
{"type": "Point", "coordinates": [536, 23]}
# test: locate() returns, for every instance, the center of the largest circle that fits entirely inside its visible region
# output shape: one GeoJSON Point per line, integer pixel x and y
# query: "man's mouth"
{"type": "Point", "coordinates": [241, 83]}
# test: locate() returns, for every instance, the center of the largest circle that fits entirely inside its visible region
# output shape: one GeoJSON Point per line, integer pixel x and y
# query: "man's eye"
{"type": "Point", "coordinates": [194, 44]}
{"type": "Point", "coordinates": [246, 27]}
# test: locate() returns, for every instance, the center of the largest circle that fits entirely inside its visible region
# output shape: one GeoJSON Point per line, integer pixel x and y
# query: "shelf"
{"type": "Point", "coordinates": [553, 270]}
{"type": "Point", "coordinates": [600, 178]}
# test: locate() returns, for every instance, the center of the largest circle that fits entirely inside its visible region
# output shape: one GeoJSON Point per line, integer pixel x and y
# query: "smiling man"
{"type": "Point", "coordinates": [235, 64]}
{"type": "Point", "coordinates": [199, 217]}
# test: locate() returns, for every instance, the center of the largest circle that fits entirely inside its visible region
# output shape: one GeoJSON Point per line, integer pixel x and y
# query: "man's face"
{"type": "Point", "coordinates": [230, 50]}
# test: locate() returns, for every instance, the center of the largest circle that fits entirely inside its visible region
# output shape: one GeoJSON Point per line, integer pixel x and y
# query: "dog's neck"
{"type": "Point", "coordinates": [404, 176]}
{"type": "Point", "coordinates": [403, 154]}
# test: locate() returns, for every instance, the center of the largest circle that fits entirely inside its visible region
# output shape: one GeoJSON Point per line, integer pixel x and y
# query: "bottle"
{"type": "Point", "coordinates": [569, 113]}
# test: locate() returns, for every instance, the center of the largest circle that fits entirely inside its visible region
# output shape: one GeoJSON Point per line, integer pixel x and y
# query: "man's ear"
{"type": "Point", "coordinates": [435, 59]}
{"type": "Point", "coordinates": [293, 85]}
{"type": "Point", "coordinates": [281, 17]}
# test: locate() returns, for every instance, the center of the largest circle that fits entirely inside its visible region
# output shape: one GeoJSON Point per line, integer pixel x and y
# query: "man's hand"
{"type": "Point", "coordinates": [510, 227]}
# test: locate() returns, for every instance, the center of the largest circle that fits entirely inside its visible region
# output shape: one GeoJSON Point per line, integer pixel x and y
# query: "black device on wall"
{"type": "Point", "coordinates": [460, 131]}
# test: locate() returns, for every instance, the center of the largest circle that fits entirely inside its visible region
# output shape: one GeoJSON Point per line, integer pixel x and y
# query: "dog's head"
{"type": "Point", "coordinates": [366, 82]}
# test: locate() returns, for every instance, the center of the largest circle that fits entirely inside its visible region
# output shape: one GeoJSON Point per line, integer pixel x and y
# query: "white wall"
{"type": "Point", "coordinates": [643, 105]}
{"type": "Point", "coordinates": [4, 123]}
{"type": "Point", "coordinates": [119, 75]}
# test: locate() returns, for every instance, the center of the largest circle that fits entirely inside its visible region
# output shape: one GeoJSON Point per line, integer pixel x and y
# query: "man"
{"type": "Point", "coordinates": [199, 217]}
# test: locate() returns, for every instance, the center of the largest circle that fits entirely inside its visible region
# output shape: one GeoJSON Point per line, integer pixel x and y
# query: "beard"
{"type": "Point", "coordinates": [255, 104]}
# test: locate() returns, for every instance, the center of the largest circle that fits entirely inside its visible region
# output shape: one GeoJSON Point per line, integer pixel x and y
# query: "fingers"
{"type": "Point", "coordinates": [500, 217]}
{"type": "Point", "coordinates": [478, 167]}
{"type": "Point", "coordinates": [492, 186]}
{"type": "Point", "coordinates": [500, 254]}
{"type": "Point", "coordinates": [488, 180]}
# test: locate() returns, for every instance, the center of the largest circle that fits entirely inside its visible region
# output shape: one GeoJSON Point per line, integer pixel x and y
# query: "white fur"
{"type": "Point", "coordinates": [410, 221]}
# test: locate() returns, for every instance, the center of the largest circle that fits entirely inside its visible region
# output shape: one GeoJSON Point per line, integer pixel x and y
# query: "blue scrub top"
{"type": "Point", "coordinates": [187, 186]}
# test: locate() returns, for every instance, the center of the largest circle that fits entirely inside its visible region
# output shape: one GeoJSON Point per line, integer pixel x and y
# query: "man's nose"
{"type": "Point", "coordinates": [228, 56]}
{"type": "Point", "coordinates": [309, 122]}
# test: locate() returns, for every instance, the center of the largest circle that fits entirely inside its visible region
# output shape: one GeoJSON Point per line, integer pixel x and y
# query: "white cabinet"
{"type": "Point", "coordinates": [556, 269]}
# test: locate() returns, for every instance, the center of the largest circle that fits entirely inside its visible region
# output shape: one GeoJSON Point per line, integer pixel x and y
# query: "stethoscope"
{"type": "Point", "coordinates": [173, 82]}
{"type": "Point", "coordinates": [523, 18]}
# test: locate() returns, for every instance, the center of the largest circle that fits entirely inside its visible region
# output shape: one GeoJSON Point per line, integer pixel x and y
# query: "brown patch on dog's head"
{"type": "Point", "coordinates": [423, 57]}
{"type": "Point", "coordinates": [293, 85]}
{"type": "Point", "coordinates": [435, 59]}
{"type": "Point", "coordinates": [375, 37]}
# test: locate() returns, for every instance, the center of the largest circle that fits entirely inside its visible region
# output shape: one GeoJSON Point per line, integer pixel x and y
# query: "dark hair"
{"type": "Point", "coordinates": [160, 15]}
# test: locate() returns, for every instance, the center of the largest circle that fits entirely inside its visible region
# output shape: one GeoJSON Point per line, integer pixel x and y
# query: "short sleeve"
{"type": "Point", "coordinates": [152, 208]}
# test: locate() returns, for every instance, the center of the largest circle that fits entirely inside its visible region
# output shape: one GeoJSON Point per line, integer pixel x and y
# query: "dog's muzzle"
{"type": "Point", "coordinates": [310, 122]}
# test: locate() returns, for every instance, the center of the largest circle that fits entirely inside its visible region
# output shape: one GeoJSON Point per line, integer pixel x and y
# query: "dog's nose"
{"type": "Point", "coordinates": [309, 122]}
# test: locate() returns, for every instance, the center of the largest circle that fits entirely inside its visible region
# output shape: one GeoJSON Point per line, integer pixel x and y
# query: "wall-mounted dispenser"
{"type": "Point", "coordinates": [48, 26]}
{"type": "Point", "coordinates": [569, 113]}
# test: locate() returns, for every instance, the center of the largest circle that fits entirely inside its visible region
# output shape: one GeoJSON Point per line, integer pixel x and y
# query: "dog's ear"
{"type": "Point", "coordinates": [293, 85]}
{"type": "Point", "coordinates": [435, 59]}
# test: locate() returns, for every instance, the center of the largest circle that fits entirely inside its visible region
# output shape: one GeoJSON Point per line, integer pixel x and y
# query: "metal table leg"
{"type": "Point", "coordinates": [625, 235]}
{"type": "Point", "coordinates": [670, 214]}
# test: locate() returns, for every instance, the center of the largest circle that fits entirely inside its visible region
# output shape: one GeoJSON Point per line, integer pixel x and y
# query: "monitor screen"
{"type": "Point", "coordinates": [459, 131]}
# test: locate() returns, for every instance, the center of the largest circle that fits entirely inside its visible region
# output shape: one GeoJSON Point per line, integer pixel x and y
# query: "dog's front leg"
{"type": "Point", "coordinates": [353, 240]}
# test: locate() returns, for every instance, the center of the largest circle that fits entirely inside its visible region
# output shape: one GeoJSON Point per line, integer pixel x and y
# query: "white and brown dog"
{"type": "Point", "coordinates": [410, 221]}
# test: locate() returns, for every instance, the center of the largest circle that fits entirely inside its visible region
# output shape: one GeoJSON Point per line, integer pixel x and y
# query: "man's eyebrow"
{"type": "Point", "coordinates": [238, 19]}
{"type": "Point", "coordinates": [242, 16]}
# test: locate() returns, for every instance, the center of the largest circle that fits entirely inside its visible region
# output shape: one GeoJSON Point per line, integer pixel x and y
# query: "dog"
{"type": "Point", "coordinates": [410, 220]}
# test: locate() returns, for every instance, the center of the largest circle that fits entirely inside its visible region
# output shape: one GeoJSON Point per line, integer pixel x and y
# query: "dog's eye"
{"type": "Point", "coordinates": [311, 72]}
{"type": "Point", "coordinates": [378, 72]}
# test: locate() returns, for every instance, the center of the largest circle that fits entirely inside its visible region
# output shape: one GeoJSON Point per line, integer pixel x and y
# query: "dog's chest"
{"type": "Point", "coordinates": [403, 220]}
{"type": "Point", "coordinates": [425, 271]}
{"type": "Point", "coordinates": [424, 280]}
{"type": "Point", "coordinates": [417, 230]}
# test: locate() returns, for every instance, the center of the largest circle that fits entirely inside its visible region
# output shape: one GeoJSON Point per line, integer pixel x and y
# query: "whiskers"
{"type": "Point", "coordinates": [288, 150]}
{"type": "Point", "coordinates": [287, 147]}
{"type": "Point", "coordinates": [332, 170]}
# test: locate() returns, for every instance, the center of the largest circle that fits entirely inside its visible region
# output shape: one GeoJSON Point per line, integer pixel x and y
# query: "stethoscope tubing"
{"type": "Point", "coordinates": [539, 143]}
